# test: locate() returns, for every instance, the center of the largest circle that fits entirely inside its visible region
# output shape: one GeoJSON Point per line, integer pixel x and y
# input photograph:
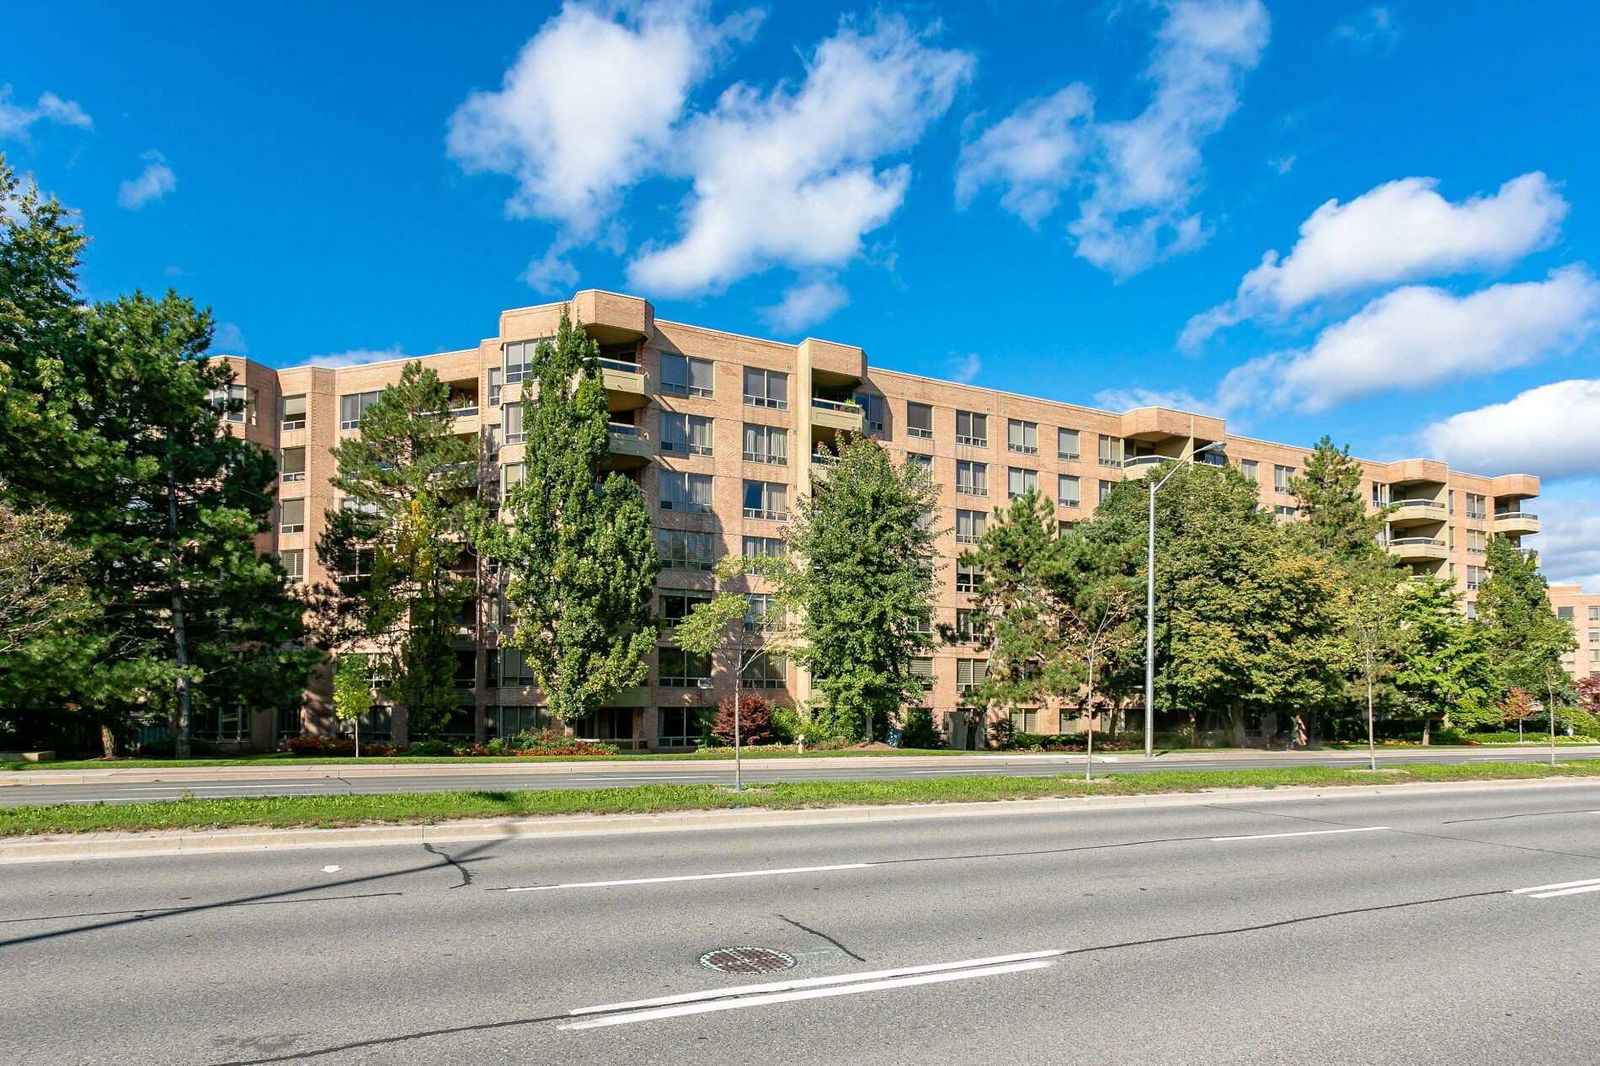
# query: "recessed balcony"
{"type": "Point", "coordinates": [1420, 549]}
{"type": "Point", "coordinates": [626, 382]}
{"type": "Point", "coordinates": [837, 415]}
{"type": "Point", "coordinates": [1135, 466]}
{"type": "Point", "coordinates": [1415, 512]}
{"type": "Point", "coordinates": [625, 440]}
{"type": "Point", "coordinates": [1515, 523]}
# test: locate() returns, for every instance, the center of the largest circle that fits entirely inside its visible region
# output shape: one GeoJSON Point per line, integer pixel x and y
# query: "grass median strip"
{"type": "Point", "coordinates": [423, 808]}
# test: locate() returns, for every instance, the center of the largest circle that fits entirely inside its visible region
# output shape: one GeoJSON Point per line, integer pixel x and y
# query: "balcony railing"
{"type": "Point", "coordinates": [621, 364]}
{"type": "Point", "coordinates": [1134, 462]}
{"type": "Point", "coordinates": [1427, 542]}
{"type": "Point", "coordinates": [1518, 516]}
{"type": "Point", "coordinates": [622, 429]}
{"type": "Point", "coordinates": [842, 406]}
{"type": "Point", "coordinates": [1416, 505]}
{"type": "Point", "coordinates": [464, 411]}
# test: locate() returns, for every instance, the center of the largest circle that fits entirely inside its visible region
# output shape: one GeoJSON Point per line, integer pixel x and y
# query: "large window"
{"type": "Point", "coordinates": [764, 669]}
{"type": "Point", "coordinates": [292, 465]}
{"type": "Point", "coordinates": [1249, 468]}
{"type": "Point", "coordinates": [875, 412]}
{"type": "Point", "coordinates": [684, 375]}
{"type": "Point", "coordinates": [1068, 493]}
{"type": "Point", "coordinates": [677, 668]}
{"type": "Point", "coordinates": [294, 412]}
{"type": "Point", "coordinates": [922, 670]}
{"type": "Point", "coordinates": [511, 475]}
{"type": "Point", "coordinates": [1477, 541]}
{"type": "Point", "coordinates": [519, 360]}
{"type": "Point", "coordinates": [766, 388]}
{"type": "Point", "coordinates": [969, 672]}
{"type": "Point", "coordinates": [676, 604]}
{"type": "Point", "coordinates": [245, 401]}
{"type": "Point", "coordinates": [919, 420]}
{"type": "Point", "coordinates": [919, 459]}
{"type": "Point", "coordinates": [766, 499]}
{"type": "Point", "coordinates": [514, 433]}
{"type": "Point", "coordinates": [292, 516]}
{"type": "Point", "coordinates": [685, 492]}
{"type": "Point", "coordinates": [685, 434]}
{"type": "Point", "coordinates": [513, 669]}
{"type": "Point", "coordinates": [1110, 451]}
{"type": "Point", "coordinates": [683, 549]}
{"type": "Point", "coordinates": [1020, 482]}
{"type": "Point", "coordinates": [353, 405]}
{"type": "Point", "coordinates": [1476, 576]}
{"type": "Point", "coordinates": [1022, 437]}
{"type": "Point", "coordinates": [969, 526]}
{"type": "Point", "coordinates": [294, 561]}
{"type": "Point", "coordinates": [1281, 476]}
{"type": "Point", "coordinates": [497, 377]}
{"type": "Point", "coordinates": [972, 478]}
{"type": "Point", "coordinates": [683, 727]}
{"type": "Point", "coordinates": [506, 722]}
{"type": "Point", "coordinates": [1477, 505]}
{"type": "Point", "coordinates": [766, 444]}
{"type": "Point", "coordinates": [758, 614]}
{"type": "Point", "coordinates": [972, 429]}
{"type": "Point", "coordinates": [968, 578]}
{"type": "Point", "coordinates": [966, 624]}
{"type": "Point", "coordinates": [1066, 444]}
{"type": "Point", "coordinates": [763, 547]}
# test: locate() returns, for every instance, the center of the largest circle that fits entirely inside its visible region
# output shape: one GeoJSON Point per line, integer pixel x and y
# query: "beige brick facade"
{"type": "Point", "coordinates": [980, 442]}
{"type": "Point", "coordinates": [1582, 609]}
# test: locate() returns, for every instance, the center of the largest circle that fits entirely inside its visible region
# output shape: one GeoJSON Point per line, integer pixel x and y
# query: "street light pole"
{"type": "Point", "coordinates": [1150, 600]}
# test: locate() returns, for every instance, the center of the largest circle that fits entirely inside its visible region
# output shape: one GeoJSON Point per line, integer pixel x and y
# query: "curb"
{"type": "Point", "coordinates": [222, 841]}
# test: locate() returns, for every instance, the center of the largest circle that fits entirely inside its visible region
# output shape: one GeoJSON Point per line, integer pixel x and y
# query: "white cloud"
{"type": "Point", "coordinates": [1176, 399]}
{"type": "Point", "coordinates": [965, 368]}
{"type": "Point", "coordinates": [807, 304]}
{"type": "Point", "coordinates": [1141, 174]}
{"type": "Point", "coordinates": [154, 182]}
{"type": "Point", "coordinates": [1373, 30]}
{"type": "Point", "coordinates": [1139, 208]}
{"type": "Point", "coordinates": [1032, 154]}
{"type": "Point", "coordinates": [1552, 431]}
{"type": "Point", "coordinates": [357, 357]}
{"type": "Point", "coordinates": [587, 107]}
{"type": "Point", "coordinates": [1418, 336]}
{"type": "Point", "coordinates": [228, 339]}
{"type": "Point", "coordinates": [790, 176]}
{"type": "Point", "coordinates": [1569, 545]}
{"type": "Point", "coordinates": [1400, 231]}
{"type": "Point", "coordinates": [15, 119]}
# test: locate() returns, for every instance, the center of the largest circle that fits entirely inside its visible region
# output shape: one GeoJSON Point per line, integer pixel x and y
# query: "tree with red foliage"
{"type": "Point", "coordinates": [1589, 694]}
{"type": "Point", "coordinates": [755, 721]}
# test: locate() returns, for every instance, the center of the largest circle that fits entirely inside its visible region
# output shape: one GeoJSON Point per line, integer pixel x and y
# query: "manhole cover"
{"type": "Point", "coordinates": [746, 960]}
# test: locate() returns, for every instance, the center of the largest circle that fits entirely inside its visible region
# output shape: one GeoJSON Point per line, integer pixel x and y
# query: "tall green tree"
{"type": "Point", "coordinates": [1334, 516]}
{"type": "Point", "coordinates": [1442, 668]}
{"type": "Point", "coordinates": [858, 581]}
{"type": "Point", "coordinates": [1526, 640]}
{"type": "Point", "coordinates": [577, 548]}
{"type": "Point", "coordinates": [398, 543]}
{"type": "Point", "coordinates": [1019, 609]}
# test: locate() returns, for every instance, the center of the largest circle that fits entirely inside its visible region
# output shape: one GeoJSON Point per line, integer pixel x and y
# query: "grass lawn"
{"type": "Point", "coordinates": [286, 811]}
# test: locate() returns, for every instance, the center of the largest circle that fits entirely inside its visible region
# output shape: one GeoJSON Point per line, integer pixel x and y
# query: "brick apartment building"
{"type": "Point", "coordinates": [1583, 611]}
{"type": "Point", "coordinates": [720, 430]}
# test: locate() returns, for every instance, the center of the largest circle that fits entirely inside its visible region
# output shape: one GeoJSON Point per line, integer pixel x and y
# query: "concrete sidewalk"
{"type": "Point", "coordinates": [388, 767]}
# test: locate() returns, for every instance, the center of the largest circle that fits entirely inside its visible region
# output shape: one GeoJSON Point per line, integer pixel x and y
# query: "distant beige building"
{"type": "Point", "coordinates": [720, 430]}
{"type": "Point", "coordinates": [1582, 609]}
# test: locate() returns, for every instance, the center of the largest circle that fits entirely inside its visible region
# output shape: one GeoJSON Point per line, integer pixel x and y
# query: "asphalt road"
{"type": "Point", "coordinates": [1352, 929]}
{"type": "Point", "coordinates": [31, 787]}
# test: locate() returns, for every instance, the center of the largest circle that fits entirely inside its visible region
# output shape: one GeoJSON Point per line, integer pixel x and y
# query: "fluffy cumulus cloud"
{"type": "Point", "coordinates": [807, 304]}
{"type": "Point", "coordinates": [1418, 336]}
{"type": "Point", "coordinates": [1552, 431]}
{"type": "Point", "coordinates": [358, 357]}
{"type": "Point", "coordinates": [1176, 399]}
{"type": "Point", "coordinates": [1030, 155]}
{"type": "Point", "coordinates": [1400, 231]}
{"type": "Point", "coordinates": [1138, 176]}
{"type": "Point", "coordinates": [152, 183]}
{"type": "Point", "coordinates": [16, 119]}
{"type": "Point", "coordinates": [587, 108]}
{"type": "Point", "coordinates": [791, 176]}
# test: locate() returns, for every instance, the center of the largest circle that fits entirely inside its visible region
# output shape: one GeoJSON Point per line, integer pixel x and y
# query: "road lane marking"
{"type": "Point", "coordinates": [740, 999]}
{"type": "Point", "coordinates": [812, 982]}
{"type": "Point", "coordinates": [1563, 888]}
{"type": "Point", "coordinates": [1307, 833]}
{"type": "Point", "coordinates": [699, 877]}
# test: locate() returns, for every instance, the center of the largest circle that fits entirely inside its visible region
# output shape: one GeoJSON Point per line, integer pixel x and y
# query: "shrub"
{"type": "Point", "coordinates": [919, 730]}
{"type": "Point", "coordinates": [309, 745]}
{"type": "Point", "coordinates": [432, 747]}
{"type": "Point", "coordinates": [166, 748]}
{"type": "Point", "coordinates": [755, 721]}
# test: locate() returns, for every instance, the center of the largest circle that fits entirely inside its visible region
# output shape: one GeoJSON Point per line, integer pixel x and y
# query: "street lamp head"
{"type": "Point", "coordinates": [1214, 446]}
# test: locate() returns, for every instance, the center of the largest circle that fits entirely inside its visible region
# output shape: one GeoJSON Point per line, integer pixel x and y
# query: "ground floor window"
{"type": "Point", "coordinates": [507, 722]}
{"type": "Point", "coordinates": [1025, 721]}
{"type": "Point", "coordinates": [221, 724]}
{"type": "Point", "coordinates": [608, 724]}
{"type": "Point", "coordinates": [460, 724]}
{"type": "Point", "coordinates": [289, 722]}
{"type": "Point", "coordinates": [683, 727]}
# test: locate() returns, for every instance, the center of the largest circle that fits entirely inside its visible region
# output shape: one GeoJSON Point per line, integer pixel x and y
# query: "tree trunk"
{"type": "Point", "coordinates": [108, 741]}
{"type": "Point", "coordinates": [180, 639]}
{"type": "Point", "coordinates": [1427, 731]}
{"type": "Point", "coordinates": [1236, 726]}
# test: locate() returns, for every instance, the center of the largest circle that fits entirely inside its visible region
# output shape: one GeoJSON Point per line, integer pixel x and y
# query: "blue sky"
{"type": "Point", "coordinates": [1067, 199]}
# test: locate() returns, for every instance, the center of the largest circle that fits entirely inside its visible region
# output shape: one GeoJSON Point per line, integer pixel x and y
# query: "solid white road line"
{"type": "Point", "coordinates": [1548, 888]}
{"type": "Point", "coordinates": [804, 994]}
{"type": "Point", "coordinates": [1566, 892]}
{"type": "Point", "coordinates": [698, 877]}
{"type": "Point", "coordinates": [1307, 833]}
{"type": "Point", "coordinates": [813, 982]}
